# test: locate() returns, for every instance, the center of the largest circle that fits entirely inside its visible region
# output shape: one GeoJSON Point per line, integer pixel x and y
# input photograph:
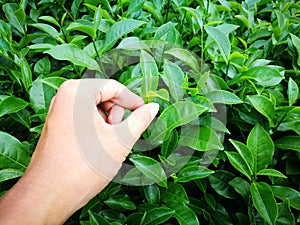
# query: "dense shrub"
{"type": "Point", "coordinates": [225, 73]}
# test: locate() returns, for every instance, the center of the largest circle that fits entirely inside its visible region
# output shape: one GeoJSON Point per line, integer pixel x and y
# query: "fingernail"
{"type": "Point", "coordinates": [153, 109]}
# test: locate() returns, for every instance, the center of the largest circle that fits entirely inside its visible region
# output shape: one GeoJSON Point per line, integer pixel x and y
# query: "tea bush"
{"type": "Point", "coordinates": [225, 146]}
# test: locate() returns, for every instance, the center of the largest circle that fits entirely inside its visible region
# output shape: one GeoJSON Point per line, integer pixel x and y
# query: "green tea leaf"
{"type": "Point", "coordinates": [261, 146]}
{"type": "Point", "coordinates": [12, 153]}
{"type": "Point", "coordinates": [152, 193]}
{"type": "Point", "coordinates": [175, 193]}
{"type": "Point", "coordinates": [296, 43]}
{"type": "Point", "coordinates": [201, 138]}
{"type": "Point", "coordinates": [23, 117]}
{"type": "Point", "coordinates": [196, 14]}
{"type": "Point", "coordinates": [120, 203]}
{"type": "Point", "coordinates": [293, 91]}
{"type": "Point", "coordinates": [96, 219]}
{"type": "Point", "coordinates": [175, 115]}
{"type": "Point", "coordinates": [118, 30]}
{"type": "Point", "coordinates": [73, 54]}
{"type": "Point", "coordinates": [264, 201]}
{"type": "Point", "coordinates": [223, 97]}
{"type": "Point", "coordinates": [289, 143]}
{"type": "Point", "coordinates": [221, 40]}
{"type": "Point", "coordinates": [87, 29]}
{"type": "Point", "coordinates": [11, 10]}
{"type": "Point", "coordinates": [263, 105]}
{"type": "Point", "coordinates": [158, 215]}
{"type": "Point", "coordinates": [292, 195]}
{"type": "Point", "coordinates": [163, 29]}
{"type": "Point", "coordinates": [241, 186]}
{"type": "Point", "coordinates": [150, 168]}
{"type": "Point", "coordinates": [47, 29]}
{"type": "Point", "coordinates": [238, 162]}
{"type": "Point", "coordinates": [53, 82]}
{"type": "Point", "coordinates": [271, 173]}
{"type": "Point", "coordinates": [50, 19]}
{"type": "Point", "coordinates": [26, 74]}
{"type": "Point", "coordinates": [8, 174]}
{"type": "Point", "coordinates": [11, 104]}
{"type": "Point", "coordinates": [192, 173]}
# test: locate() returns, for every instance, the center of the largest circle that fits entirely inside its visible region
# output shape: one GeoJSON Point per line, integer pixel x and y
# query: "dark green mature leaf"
{"type": "Point", "coordinates": [47, 29]}
{"type": "Point", "coordinates": [263, 105]}
{"type": "Point", "coordinates": [220, 183]}
{"type": "Point", "coordinates": [96, 219]}
{"type": "Point", "coordinates": [150, 168]}
{"type": "Point", "coordinates": [261, 146]}
{"type": "Point", "coordinates": [221, 40]}
{"type": "Point", "coordinates": [296, 43]}
{"type": "Point", "coordinates": [271, 173]}
{"type": "Point", "coordinates": [241, 186]}
{"type": "Point", "coordinates": [184, 214]}
{"type": "Point", "coordinates": [292, 195]}
{"type": "Point", "coordinates": [118, 30]}
{"type": "Point", "coordinates": [289, 143]}
{"type": "Point", "coordinates": [175, 115]}
{"type": "Point", "coordinates": [12, 153]}
{"type": "Point", "coordinates": [185, 56]}
{"type": "Point", "coordinates": [120, 203]}
{"type": "Point", "coordinates": [152, 193]}
{"type": "Point", "coordinates": [163, 29]}
{"type": "Point", "coordinates": [23, 117]}
{"type": "Point", "coordinates": [7, 174]}
{"type": "Point", "coordinates": [12, 12]}
{"type": "Point", "coordinates": [175, 193]}
{"type": "Point", "coordinates": [87, 29]}
{"type": "Point", "coordinates": [192, 173]}
{"type": "Point", "coordinates": [158, 215]}
{"type": "Point", "coordinates": [264, 201]}
{"type": "Point", "coordinates": [200, 138]}
{"type": "Point", "coordinates": [238, 162]}
{"type": "Point", "coordinates": [73, 54]}
{"type": "Point", "coordinates": [285, 215]}
{"type": "Point", "coordinates": [10, 104]}
{"type": "Point", "coordinates": [53, 82]}
{"type": "Point", "coordinates": [293, 91]}
{"type": "Point", "coordinates": [26, 74]}
{"type": "Point", "coordinates": [223, 97]}
{"type": "Point", "coordinates": [196, 14]}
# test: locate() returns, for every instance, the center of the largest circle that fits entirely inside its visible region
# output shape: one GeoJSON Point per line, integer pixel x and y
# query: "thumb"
{"type": "Point", "coordinates": [129, 131]}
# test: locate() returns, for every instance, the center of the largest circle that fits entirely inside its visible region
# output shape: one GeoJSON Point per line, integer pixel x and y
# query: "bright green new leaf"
{"type": "Point", "coordinates": [158, 215]}
{"type": "Point", "coordinates": [263, 105]}
{"type": "Point", "coordinates": [221, 40]}
{"type": "Point", "coordinates": [292, 195]}
{"type": "Point", "coordinates": [175, 115]}
{"type": "Point", "coordinates": [97, 18]}
{"type": "Point", "coordinates": [150, 168]}
{"type": "Point", "coordinates": [26, 74]}
{"type": "Point", "coordinates": [200, 138]}
{"type": "Point", "coordinates": [238, 162]}
{"type": "Point", "coordinates": [118, 30]}
{"type": "Point", "coordinates": [53, 82]}
{"type": "Point", "coordinates": [11, 104]}
{"type": "Point", "coordinates": [8, 174]}
{"type": "Point", "coordinates": [163, 29]}
{"type": "Point", "coordinates": [223, 97]}
{"type": "Point", "coordinates": [43, 66]}
{"type": "Point", "coordinates": [192, 173]}
{"type": "Point", "coordinates": [50, 19]}
{"type": "Point", "coordinates": [196, 14]}
{"type": "Point", "coordinates": [271, 173]}
{"type": "Point", "coordinates": [173, 77]}
{"type": "Point", "coordinates": [264, 201]}
{"type": "Point", "coordinates": [12, 153]}
{"type": "Point", "coordinates": [261, 146]}
{"type": "Point", "coordinates": [289, 143]}
{"type": "Point", "coordinates": [23, 117]}
{"type": "Point", "coordinates": [87, 29]}
{"type": "Point", "coordinates": [73, 54]}
{"type": "Point", "coordinates": [11, 10]}
{"type": "Point", "coordinates": [296, 42]}
{"type": "Point", "coordinates": [47, 29]}
{"type": "Point", "coordinates": [293, 91]}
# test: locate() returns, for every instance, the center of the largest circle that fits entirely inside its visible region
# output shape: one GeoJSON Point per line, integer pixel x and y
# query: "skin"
{"type": "Point", "coordinates": [59, 180]}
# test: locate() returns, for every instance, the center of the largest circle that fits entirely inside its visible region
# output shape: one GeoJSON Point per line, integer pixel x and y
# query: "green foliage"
{"type": "Point", "coordinates": [225, 146]}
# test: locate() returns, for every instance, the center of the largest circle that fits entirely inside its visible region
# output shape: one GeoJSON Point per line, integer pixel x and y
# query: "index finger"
{"type": "Point", "coordinates": [103, 90]}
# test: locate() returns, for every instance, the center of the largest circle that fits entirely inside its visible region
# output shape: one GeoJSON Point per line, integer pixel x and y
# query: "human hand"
{"type": "Point", "coordinates": [81, 148]}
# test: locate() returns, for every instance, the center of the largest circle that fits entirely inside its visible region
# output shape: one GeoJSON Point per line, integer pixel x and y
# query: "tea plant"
{"type": "Point", "coordinates": [225, 146]}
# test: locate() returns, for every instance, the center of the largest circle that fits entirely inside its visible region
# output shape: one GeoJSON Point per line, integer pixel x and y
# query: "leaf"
{"type": "Point", "coordinates": [245, 153]}
{"type": "Point", "coordinates": [238, 162]}
{"type": "Point", "coordinates": [118, 30]}
{"type": "Point", "coordinates": [289, 143]}
{"type": "Point", "coordinates": [185, 56]}
{"type": "Point", "coordinates": [158, 215]}
{"type": "Point", "coordinates": [223, 97]}
{"type": "Point", "coordinates": [263, 105]}
{"type": "Point", "coordinates": [175, 115]}
{"type": "Point", "coordinates": [12, 153]}
{"type": "Point", "coordinates": [53, 82]}
{"type": "Point", "coordinates": [73, 54]}
{"type": "Point", "coordinates": [261, 146]}
{"type": "Point", "coordinates": [150, 168]}
{"type": "Point", "coordinates": [285, 215]}
{"type": "Point", "coordinates": [183, 214]}
{"type": "Point", "coordinates": [264, 201]}
{"type": "Point", "coordinates": [271, 173]}
{"type": "Point", "coordinates": [10, 10]}
{"type": "Point", "coordinates": [50, 19]}
{"type": "Point", "coordinates": [296, 43]}
{"type": "Point", "coordinates": [97, 18]}
{"type": "Point", "coordinates": [120, 203]}
{"type": "Point", "coordinates": [43, 66]}
{"type": "Point", "coordinates": [192, 173]}
{"type": "Point", "coordinates": [293, 91]}
{"type": "Point", "coordinates": [23, 117]}
{"type": "Point", "coordinates": [47, 29]}
{"type": "Point", "coordinates": [175, 193]}
{"type": "Point", "coordinates": [163, 29]}
{"type": "Point", "coordinates": [173, 78]}
{"type": "Point", "coordinates": [201, 138]}
{"type": "Point", "coordinates": [96, 219]}
{"type": "Point", "coordinates": [87, 29]}
{"type": "Point", "coordinates": [8, 174]}
{"type": "Point", "coordinates": [11, 104]}
{"type": "Point", "coordinates": [292, 195]}
{"type": "Point", "coordinates": [219, 182]}
{"type": "Point", "coordinates": [152, 193]}
{"type": "Point", "coordinates": [263, 75]}
{"type": "Point", "coordinates": [221, 40]}
{"type": "Point", "coordinates": [241, 186]}
{"type": "Point", "coordinates": [26, 74]}
{"type": "Point", "coordinates": [196, 14]}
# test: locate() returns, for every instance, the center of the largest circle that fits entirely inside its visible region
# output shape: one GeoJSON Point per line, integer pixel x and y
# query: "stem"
{"type": "Point", "coordinates": [94, 45]}
{"type": "Point", "coordinates": [293, 71]}
{"type": "Point", "coordinates": [168, 8]}
{"type": "Point", "coordinates": [202, 45]}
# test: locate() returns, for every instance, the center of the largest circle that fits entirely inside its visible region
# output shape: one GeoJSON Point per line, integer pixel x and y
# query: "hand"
{"type": "Point", "coordinates": [82, 146]}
